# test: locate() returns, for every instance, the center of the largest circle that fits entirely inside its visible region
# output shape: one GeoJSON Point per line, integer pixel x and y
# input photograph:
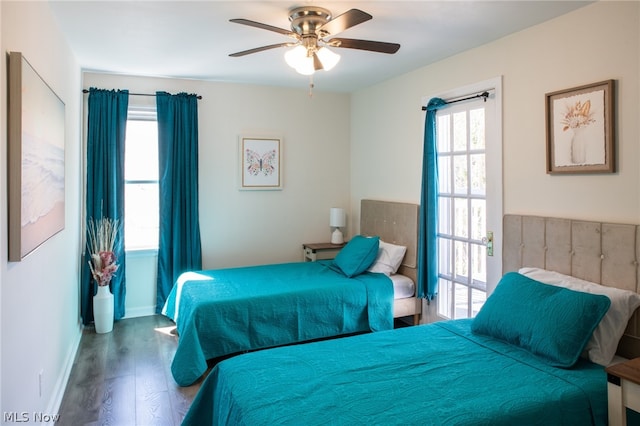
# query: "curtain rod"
{"type": "Point", "coordinates": [484, 95]}
{"type": "Point", "coordinates": [140, 94]}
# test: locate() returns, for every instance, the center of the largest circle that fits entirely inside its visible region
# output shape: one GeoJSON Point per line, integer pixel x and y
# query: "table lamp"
{"type": "Point", "coordinates": [337, 219]}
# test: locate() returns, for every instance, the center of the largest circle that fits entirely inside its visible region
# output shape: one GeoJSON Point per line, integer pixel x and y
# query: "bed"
{"type": "Point", "coordinates": [234, 310]}
{"type": "Point", "coordinates": [526, 358]}
{"type": "Point", "coordinates": [397, 223]}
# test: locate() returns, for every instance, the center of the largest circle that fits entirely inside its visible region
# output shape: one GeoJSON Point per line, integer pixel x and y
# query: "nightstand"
{"type": "Point", "coordinates": [623, 390]}
{"type": "Point", "coordinates": [320, 251]}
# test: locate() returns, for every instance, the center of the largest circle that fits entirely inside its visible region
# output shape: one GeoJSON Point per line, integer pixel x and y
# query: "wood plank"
{"type": "Point", "coordinates": [124, 377]}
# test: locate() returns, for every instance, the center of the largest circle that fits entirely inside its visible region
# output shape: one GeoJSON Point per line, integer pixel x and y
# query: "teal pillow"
{"type": "Point", "coordinates": [551, 322]}
{"type": "Point", "coordinates": [357, 255]}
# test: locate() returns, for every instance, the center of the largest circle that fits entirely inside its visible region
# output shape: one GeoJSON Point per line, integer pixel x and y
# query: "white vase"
{"type": "Point", "coordinates": [103, 310]}
{"type": "Point", "coordinates": [578, 146]}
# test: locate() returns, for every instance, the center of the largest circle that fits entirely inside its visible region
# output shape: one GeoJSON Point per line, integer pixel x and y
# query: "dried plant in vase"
{"type": "Point", "coordinates": [101, 237]}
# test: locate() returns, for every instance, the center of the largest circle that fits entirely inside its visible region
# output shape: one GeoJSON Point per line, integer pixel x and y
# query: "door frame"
{"type": "Point", "coordinates": [495, 187]}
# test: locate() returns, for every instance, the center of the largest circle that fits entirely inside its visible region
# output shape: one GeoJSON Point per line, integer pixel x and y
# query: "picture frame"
{"type": "Point", "coordinates": [580, 126]}
{"type": "Point", "coordinates": [260, 163]}
{"type": "Point", "coordinates": [35, 159]}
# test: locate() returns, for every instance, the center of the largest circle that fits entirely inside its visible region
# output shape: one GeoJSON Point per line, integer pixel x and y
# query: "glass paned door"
{"type": "Point", "coordinates": [463, 137]}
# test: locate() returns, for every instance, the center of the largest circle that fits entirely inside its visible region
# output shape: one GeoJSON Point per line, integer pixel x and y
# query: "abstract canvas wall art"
{"type": "Point", "coordinates": [36, 170]}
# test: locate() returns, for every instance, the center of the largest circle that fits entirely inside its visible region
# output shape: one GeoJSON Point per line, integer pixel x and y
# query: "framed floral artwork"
{"type": "Point", "coordinates": [260, 163]}
{"type": "Point", "coordinates": [580, 129]}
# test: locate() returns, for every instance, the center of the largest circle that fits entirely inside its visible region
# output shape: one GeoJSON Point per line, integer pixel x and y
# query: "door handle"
{"type": "Point", "coordinates": [488, 242]}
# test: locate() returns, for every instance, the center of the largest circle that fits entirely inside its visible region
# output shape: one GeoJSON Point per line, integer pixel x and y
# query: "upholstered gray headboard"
{"type": "Point", "coordinates": [604, 253]}
{"type": "Point", "coordinates": [395, 223]}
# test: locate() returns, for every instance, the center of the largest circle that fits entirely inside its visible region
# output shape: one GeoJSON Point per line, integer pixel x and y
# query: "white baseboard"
{"type": "Point", "coordinates": [142, 311]}
{"type": "Point", "coordinates": [61, 384]}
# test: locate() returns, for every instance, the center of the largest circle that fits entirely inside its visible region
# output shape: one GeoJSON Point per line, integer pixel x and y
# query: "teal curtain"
{"type": "Point", "coordinates": [179, 247]}
{"type": "Point", "coordinates": [106, 128]}
{"type": "Point", "coordinates": [428, 234]}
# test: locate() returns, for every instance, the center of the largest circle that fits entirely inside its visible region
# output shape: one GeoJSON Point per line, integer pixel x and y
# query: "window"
{"type": "Point", "coordinates": [141, 195]}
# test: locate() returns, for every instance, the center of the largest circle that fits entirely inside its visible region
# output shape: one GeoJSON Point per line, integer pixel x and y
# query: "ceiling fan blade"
{"type": "Point", "coordinates": [260, 49]}
{"type": "Point", "coordinates": [342, 22]}
{"type": "Point", "coordinates": [264, 27]}
{"type": "Point", "coordinates": [373, 46]}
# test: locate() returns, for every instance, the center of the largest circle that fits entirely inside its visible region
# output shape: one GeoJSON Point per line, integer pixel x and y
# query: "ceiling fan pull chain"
{"type": "Point", "coordinates": [311, 86]}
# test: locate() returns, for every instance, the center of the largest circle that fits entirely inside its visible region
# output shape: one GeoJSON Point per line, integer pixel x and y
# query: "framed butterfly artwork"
{"type": "Point", "coordinates": [260, 163]}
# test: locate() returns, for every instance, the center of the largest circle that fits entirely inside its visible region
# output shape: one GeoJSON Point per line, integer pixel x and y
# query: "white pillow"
{"type": "Point", "coordinates": [603, 344]}
{"type": "Point", "coordinates": [389, 258]}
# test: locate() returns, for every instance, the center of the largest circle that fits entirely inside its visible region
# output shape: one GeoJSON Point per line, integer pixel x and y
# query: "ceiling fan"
{"type": "Point", "coordinates": [310, 27]}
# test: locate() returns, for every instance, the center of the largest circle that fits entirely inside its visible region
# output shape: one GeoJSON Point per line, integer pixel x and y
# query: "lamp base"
{"type": "Point", "coordinates": [336, 237]}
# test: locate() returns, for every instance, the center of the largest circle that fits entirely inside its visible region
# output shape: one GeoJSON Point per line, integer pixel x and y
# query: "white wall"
{"type": "Point", "coordinates": [39, 323]}
{"type": "Point", "coordinates": [594, 43]}
{"type": "Point", "coordinates": [337, 150]}
{"type": "Point", "coordinates": [253, 227]}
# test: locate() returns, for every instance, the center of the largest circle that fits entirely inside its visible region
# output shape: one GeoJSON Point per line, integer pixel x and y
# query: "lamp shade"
{"type": "Point", "coordinates": [328, 58]}
{"type": "Point", "coordinates": [298, 59]}
{"type": "Point", "coordinates": [295, 56]}
{"type": "Point", "coordinates": [301, 59]}
{"type": "Point", "coordinates": [337, 217]}
{"type": "Point", "coordinates": [306, 67]}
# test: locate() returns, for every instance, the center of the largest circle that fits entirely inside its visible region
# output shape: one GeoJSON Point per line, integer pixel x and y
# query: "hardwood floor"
{"type": "Point", "coordinates": [123, 378]}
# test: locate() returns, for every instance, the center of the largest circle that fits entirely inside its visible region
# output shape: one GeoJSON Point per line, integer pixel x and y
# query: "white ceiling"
{"type": "Point", "coordinates": [193, 39]}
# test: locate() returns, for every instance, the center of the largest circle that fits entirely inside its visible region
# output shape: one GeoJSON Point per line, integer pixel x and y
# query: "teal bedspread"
{"type": "Point", "coordinates": [226, 311]}
{"type": "Point", "coordinates": [437, 374]}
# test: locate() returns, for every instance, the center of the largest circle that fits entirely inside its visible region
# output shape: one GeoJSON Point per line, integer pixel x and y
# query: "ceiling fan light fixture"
{"type": "Point", "coordinates": [310, 27]}
{"type": "Point", "coordinates": [298, 59]}
{"type": "Point", "coordinates": [306, 67]}
{"type": "Point", "coordinates": [296, 56]}
{"type": "Point", "coordinates": [328, 58]}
